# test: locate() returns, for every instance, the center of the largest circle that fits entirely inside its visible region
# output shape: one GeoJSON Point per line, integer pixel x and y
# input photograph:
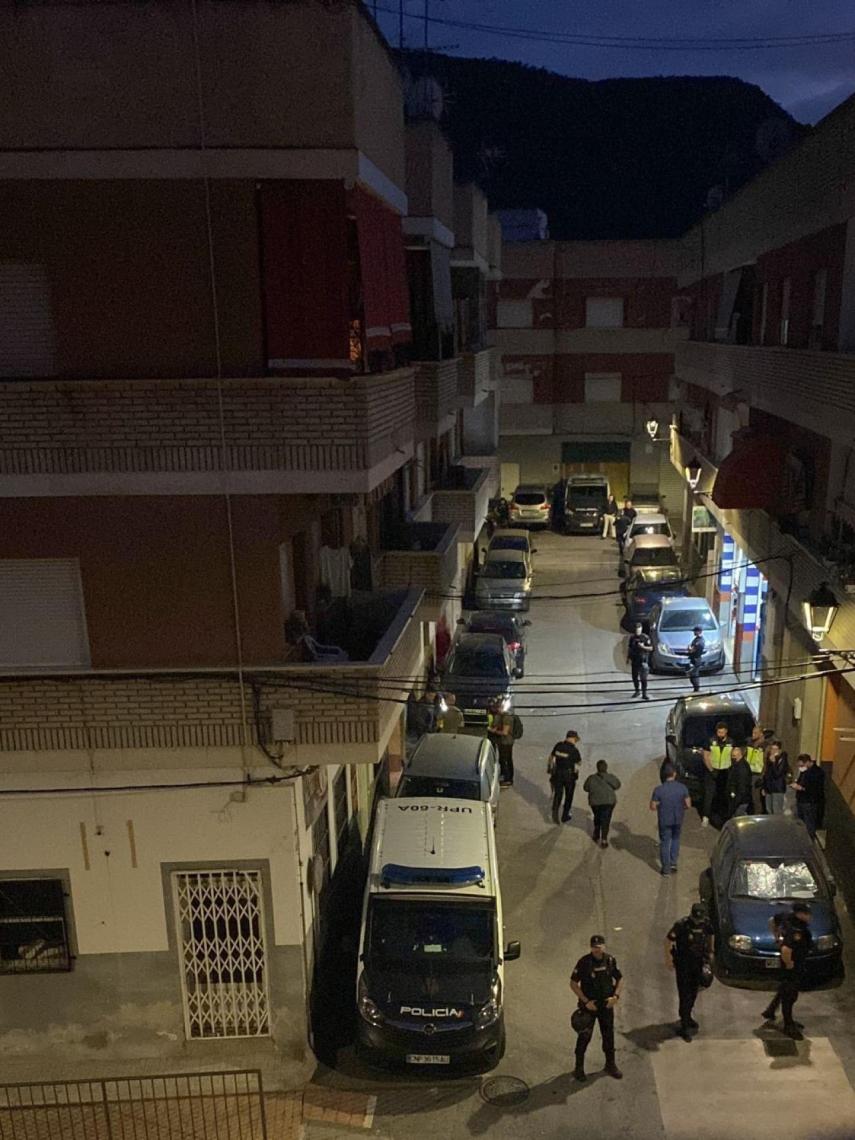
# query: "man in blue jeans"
{"type": "Point", "coordinates": [670, 799]}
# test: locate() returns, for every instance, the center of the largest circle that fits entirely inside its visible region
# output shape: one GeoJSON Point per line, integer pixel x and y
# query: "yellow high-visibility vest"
{"type": "Point", "coordinates": [720, 756]}
{"type": "Point", "coordinates": [756, 758]}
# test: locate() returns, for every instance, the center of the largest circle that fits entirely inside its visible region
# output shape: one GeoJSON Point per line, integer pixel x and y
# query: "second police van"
{"type": "Point", "coordinates": [430, 980]}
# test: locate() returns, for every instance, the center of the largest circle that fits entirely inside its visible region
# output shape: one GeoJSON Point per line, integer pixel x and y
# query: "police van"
{"type": "Point", "coordinates": [431, 954]}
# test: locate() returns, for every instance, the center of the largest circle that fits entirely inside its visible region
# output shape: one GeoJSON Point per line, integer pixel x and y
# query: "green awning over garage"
{"type": "Point", "coordinates": [590, 451]}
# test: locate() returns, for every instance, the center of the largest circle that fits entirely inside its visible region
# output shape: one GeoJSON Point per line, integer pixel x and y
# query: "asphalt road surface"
{"type": "Point", "coordinates": [735, 1078]}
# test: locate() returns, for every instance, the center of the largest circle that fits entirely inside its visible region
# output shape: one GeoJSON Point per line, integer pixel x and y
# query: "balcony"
{"type": "Point", "coordinates": [478, 376]}
{"type": "Point", "coordinates": [288, 435]}
{"type": "Point", "coordinates": [179, 718]}
{"type": "Point", "coordinates": [436, 387]}
{"type": "Point", "coordinates": [463, 498]}
{"type": "Point", "coordinates": [426, 556]}
{"type": "Point", "coordinates": [807, 387]}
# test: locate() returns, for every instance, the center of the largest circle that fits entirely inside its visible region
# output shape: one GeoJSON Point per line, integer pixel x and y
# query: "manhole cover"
{"type": "Point", "coordinates": [504, 1092]}
{"type": "Point", "coordinates": [776, 1047]}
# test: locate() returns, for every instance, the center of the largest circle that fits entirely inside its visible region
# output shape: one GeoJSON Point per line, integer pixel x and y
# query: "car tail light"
{"type": "Point", "coordinates": [513, 646]}
{"type": "Point", "coordinates": [543, 506]}
{"type": "Point", "coordinates": [642, 598]}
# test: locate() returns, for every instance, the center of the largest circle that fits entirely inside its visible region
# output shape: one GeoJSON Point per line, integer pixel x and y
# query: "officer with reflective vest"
{"type": "Point", "coordinates": [717, 760]}
{"type": "Point", "coordinates": [755, 754]}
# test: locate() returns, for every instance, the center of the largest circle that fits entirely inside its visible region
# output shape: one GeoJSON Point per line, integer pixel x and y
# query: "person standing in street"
{"type": "Point", "coordinates": [776, 777]}
{"type": "Point", "coordinates": [809, 786]}
{"type": "Point", "coordinates": [688, 947]}
{"type": "Point", "coordinates": [601, 787]}
{"type": "Point", "coordinates": [796, 941]}
{"type": "Point", "coordinates": [740, 784]}
{"type": "Point", "coordinates": [597, 983]}
{"type": "Point", "coordinates": [755, 754]}
{"type": "Point", "coordinates": [696, 649]}
{"type": "Point", "coordinates": [670, 799]}
{"type": "Point", "coordinates": [638, 653]}
{"type": "Point", "coordinates": [716, 762]}
{"type": "Point", "coordinates": [609, 518]}
{"type": "Point", "coordinates": [451, 719]}
{"type": "Point", "coordinates": [500, 730]}
{"type": "Point", "coordinates": [563, 768]}
{"type": "Point", "coordinates": [623, 521]}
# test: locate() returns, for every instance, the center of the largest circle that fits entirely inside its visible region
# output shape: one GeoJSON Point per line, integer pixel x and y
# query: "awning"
{"type": "Point", "coordinates": [304, 266]}
{"type": "Point", "coordinates": [750, 477]}
{"type": "Point", "coordinates": [383, 269]}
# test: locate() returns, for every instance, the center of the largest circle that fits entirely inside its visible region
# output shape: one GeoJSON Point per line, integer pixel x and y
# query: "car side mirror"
{"type": "Point", "coordinates": [534, 550]}
{"type": "Point", "coordinates": [461, 621]}
{"type": "Point", "coordinates": [512, 951]}
{"type": "Point", "coordinates": [526, 622]}
{"type": "Point", "coordinates": [671, 738]}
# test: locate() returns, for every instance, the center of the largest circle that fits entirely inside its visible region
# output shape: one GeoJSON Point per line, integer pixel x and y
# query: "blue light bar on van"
{"type": "Point", "coordinates": [412, 876]}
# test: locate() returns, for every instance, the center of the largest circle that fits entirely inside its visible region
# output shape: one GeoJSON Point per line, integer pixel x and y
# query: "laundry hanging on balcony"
{"type": "Point", "coordinates": [383, 269]}
{"type": "Point", "coordinates": [336, 564]}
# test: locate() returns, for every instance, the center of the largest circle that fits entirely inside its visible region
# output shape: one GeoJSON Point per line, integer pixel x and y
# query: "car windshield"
{"type": "Point", "coordinates": [773, 879]}
{"type": "Point", "coordinates": [437, 786]}
{"type": "Point", "coordinates": [496, 568]}
{"type": "Point", "coordinates": [650, 528]}
{"type": "Point", "coordinates": [510, 542]}
{"type": "Point", "coordinates": [423, 933]}
{"type": "Point", "coordinates": [587, 496]}
{"type": "Point", "coordinates": [467, 662]}
{"type": "Point", "coordinates": [687, 619]}
{"type": "Point", "coordinates": [529, 498]}
{"type": "Point", "coordinates": [698, 731]}
{"type": "Point", "coordinates": [504, 629]}
{"type": "Point", "coordinates": [657, 556]}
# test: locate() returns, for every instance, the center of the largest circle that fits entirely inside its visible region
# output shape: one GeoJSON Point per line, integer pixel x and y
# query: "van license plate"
{"type": "Point", "coordinates": [428, 1059]}
{"type": "Point", "coordinates": [773, 963]}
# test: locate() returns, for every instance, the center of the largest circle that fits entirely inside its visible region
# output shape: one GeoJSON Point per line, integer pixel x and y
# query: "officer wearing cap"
{"type": "Point", "coordinates": [796, 941]}
{"type": "Point", "coordinates": [596, 981]}
{"type": "Point", "coordinates": [688, 946]}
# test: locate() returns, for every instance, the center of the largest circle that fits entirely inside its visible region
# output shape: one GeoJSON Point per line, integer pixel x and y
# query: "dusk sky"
{"type": "Point", "coordinates": [807, 80]}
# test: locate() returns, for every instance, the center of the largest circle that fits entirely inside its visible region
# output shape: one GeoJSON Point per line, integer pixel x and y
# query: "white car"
{"type": "Point", "coordinates": [645, 525]}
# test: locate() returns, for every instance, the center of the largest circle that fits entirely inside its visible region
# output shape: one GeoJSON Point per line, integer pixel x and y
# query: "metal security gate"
{"type": "Point", "coordinates": [219, 917]}
{"type": "Point", "coordinates": [193, 1106]}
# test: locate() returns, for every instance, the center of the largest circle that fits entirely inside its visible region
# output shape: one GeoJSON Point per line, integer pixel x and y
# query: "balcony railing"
{"type": "Point", "coordinates": [427, 556]}
{"type": "Point", "coordinates": [343, 712]}
{"type": "Point", "coordinates": [466, 502]}
{"type": "Point", "coordinates": [301, 434]}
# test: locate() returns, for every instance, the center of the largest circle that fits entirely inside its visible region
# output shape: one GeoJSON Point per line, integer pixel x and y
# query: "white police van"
{"type": "Point", "coordinates": [431, 954]}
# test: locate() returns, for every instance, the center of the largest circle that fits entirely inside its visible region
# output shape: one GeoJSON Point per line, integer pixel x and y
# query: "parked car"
{"type": "Point", "coordinates": [511, 539]}
{"type": "Point", "coordinates": [691, 726]}
{"type": "Point", "coordinates": [647, 502]}
{"type": "Point", "coordinates": [585, 500]}
{"type": "Point", "coordinates": [504, 581]}
{"type": "Point", "coordinates": [642, 526]}
{"type": "Point", "coordinates": [531, 506]}
{"type": "Point", "coordinates": [480, 667]}
{"type": "Point", "coordinates": [760, 866]}
{"type": "Point", "coordinates": [452, 767]}
{"type": "Point", "coordinates": [509, 627]}
{"type": "Point", "coordinates": [650, 550]}
{"type": "Point", "coordinates": [647, 586]}
{"type": "Point", "coordinates": [672, 621]}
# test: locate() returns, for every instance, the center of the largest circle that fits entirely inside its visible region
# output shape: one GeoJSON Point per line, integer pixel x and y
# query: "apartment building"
{"type": "Point", "coordinates": [215, 430]}
{"type": "Point", "coordinates": [767, 419]}
{"type": "Point", "coordinates": [588, 333]}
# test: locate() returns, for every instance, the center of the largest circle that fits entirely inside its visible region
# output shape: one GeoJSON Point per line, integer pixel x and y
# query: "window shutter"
{"type": "Point", "coordinates": [604, 312]}
{"type": "Point", "coordinates": [42, 624]}
{"type": "Point", "coordinates": [27, 338]}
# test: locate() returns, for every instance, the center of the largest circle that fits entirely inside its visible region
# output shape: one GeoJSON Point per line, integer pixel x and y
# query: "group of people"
{"type": "Point", "coordinates": [616, 521]}
{"type": "Point", "coordinates": [753, 780]}
{"type": "Point", "coordinates": [602, 786]}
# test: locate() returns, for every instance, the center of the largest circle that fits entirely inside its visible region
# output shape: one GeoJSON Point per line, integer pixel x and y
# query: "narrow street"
{"type": "Point", "coordinates": [558, 889]}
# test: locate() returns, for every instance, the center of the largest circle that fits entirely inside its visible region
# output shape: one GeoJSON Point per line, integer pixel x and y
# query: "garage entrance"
{"type": "Point", "coordinates": [591, 457]}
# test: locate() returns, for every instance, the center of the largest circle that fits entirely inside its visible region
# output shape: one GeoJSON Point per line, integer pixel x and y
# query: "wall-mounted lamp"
{"type": "Point", "coordinates": [693, 471]}
{"type": "Point", "coordinates": [820, 610]}
{"type": "Point", "coordinates": [652, 428]}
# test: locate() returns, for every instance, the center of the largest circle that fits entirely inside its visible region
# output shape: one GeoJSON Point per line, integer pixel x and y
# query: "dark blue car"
{"type": "Point", "coordinates": [760, 866]}
{"type": "Point", "coordinates": [646, 587]}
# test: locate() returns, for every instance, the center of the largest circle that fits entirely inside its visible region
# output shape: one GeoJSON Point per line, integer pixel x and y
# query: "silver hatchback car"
{"type": "Point", "coordinates": [453, 767]}
{"type": "Point", "coordinates": [672, 623]}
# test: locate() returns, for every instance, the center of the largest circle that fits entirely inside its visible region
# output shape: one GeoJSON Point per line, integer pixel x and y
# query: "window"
{"type": "Point", "coordinates": [602, 387]}
{"type": "Point", "coordinates": [27, 338]}
{"type": "Point", "coordinates": [785, 311]}
{"type": "Point", "coordinates": [340, 807]}
{"type": "Point", "coordinates": [219, 919]}
{"type": "Point", "coordinates": [33, 928]}
{"type": "Point", "coordinates": [604, 312]}
{"type": "Point", "coordinates": [42, 624]}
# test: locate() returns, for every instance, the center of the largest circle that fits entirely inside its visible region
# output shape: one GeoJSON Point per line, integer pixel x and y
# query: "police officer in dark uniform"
{"type": "Point", "coordinates": [697, 647]}
{"type": "Point", "coordinates": [796, 941]}
{"type": "Point", "coordinates": [688, 945]}
{"type": "Point", "coordinates": [638, 652]}
{"type": "Point", "coordinates": [563, 768]}
{"type": "Point", "coordinates": [597, 982]}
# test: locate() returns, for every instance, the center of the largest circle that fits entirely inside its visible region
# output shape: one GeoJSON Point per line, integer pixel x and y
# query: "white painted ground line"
{"type": "Point", "coordinates": [370, 1109]}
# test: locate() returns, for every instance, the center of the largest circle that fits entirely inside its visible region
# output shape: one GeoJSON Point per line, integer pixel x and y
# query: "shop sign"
{"type": "Point", "coordinates": [702, 521]}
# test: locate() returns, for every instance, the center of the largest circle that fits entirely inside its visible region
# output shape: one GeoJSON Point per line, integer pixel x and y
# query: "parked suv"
{"type": "Point", "coordinates": [672, 622]}
{"type": "Point", "coordinates": [585, 501]}
{"type": "Point", "coordinates": [509, 626]}
{"type": "Point", "coordinates": [479, 668]}
{"type": "Point", "coordinates": [691, 726]}
{"type": "Point", "coordinates": [531, 506]}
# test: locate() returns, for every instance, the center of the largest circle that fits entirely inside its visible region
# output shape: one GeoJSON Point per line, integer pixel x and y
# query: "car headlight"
{"type": "Point", "coordinates": [741, 942]}
{"type": "Point", "coordinates": [368, 1009]}
{"type": "Point", "coordinates": [827, 942]}
{"type": "Point", "coordinates": [490, 1011]}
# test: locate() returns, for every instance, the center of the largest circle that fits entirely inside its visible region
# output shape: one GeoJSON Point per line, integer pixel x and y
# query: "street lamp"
{"type": "Point", "coordinates": [652, 426]}
{"type": "Point", "coordinates": [820, 609]}
{"type": "Point", "coordinates": [693, 472]}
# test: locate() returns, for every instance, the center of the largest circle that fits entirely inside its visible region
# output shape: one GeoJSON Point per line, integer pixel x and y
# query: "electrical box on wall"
{"type": "Point", "coordinates": [797, 709]}
{"type": "Point", "coordinates": [283, 725]}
